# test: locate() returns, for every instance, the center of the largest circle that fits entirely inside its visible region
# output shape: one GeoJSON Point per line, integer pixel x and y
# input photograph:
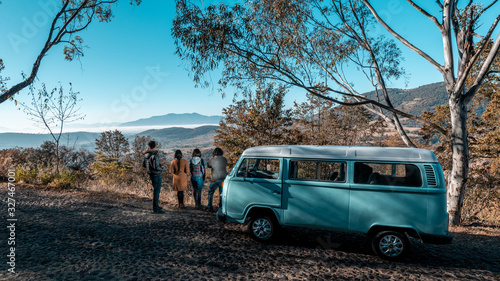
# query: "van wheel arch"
{"type": "Point", "coordinates": [379, 228]}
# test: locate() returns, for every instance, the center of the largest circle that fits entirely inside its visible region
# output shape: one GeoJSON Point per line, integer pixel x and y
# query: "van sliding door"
{"type": "Point", "coordinates": [316, 194]}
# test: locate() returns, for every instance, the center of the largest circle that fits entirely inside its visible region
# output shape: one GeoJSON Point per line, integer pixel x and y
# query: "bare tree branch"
{"type": "Point", "coordinates": [425, 13]}
{"type": "Point", "coordinates": [439, 67]}
{"type": "Point", "coordinates": [484, 70]}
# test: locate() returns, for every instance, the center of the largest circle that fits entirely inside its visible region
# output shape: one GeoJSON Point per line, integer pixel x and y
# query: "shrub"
{"type": "Point", "coordinates": [111, 170]}
{"type": "Point", "coordinates": [45, 177]}
{"type": "Point", "coordinates": [65, 179]}
{"type": "Point", "coordinates": [6, 161]}
{"type": "Point", "coordinates": [482, 196]}
{"type": "Point", "coordinates": [27, 175]}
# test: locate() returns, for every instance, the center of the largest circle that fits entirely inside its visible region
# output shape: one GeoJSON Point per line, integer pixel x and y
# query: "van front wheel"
{"type": "Point", "coordinates": [262, 228]}
{"type": "Point", "coordinates": [390, 245]}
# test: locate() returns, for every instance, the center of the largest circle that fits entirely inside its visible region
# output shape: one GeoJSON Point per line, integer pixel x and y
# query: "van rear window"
{"type": "Point", "coordinates": [317, 170]}
{"type": "Point", "coordinates": [387, 174]}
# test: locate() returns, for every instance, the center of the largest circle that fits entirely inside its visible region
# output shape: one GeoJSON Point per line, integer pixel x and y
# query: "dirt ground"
{"type": "Point", "coordinates": [85, 235]}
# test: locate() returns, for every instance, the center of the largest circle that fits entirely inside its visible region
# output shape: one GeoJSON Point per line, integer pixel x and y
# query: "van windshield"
{"type": "Point", "coordinates": [387, 174]}
{"type": "Point", "coordinates": [259, 168]}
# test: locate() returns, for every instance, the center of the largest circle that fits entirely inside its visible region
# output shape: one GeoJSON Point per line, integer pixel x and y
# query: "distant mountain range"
{"type": "Point", "coordinates": [178, 136]}
{"type": "Point", "coordinates": [413, 101]}
{"type": "Point", "coordinates": [175, 138]}
{"type": "Point", "coordinates": [175, 119]}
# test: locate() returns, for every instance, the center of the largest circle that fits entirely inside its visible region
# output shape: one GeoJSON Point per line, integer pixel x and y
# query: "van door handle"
{"type": "Point", "coordinates": [276, 191]}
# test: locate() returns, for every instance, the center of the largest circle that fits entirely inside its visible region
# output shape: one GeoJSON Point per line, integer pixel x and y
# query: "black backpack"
{"type": "Point", "coordinates": [150, 163]}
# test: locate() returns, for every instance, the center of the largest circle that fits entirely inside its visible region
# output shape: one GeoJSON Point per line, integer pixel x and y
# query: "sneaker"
{"type": "Point", "coordinates": [160, 211]}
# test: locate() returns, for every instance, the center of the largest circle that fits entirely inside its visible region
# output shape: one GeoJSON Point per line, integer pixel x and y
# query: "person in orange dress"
{"type": "Point", "coordinates": [180, 169]}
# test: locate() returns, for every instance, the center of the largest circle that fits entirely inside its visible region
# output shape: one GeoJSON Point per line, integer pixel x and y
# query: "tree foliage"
{"type": "Point", "coordinates": [112, 144]}
{"type": "Point", "coordinates": [138, 145]}
{"type": "Point", "coordinates": [259, 119]}
{"type": "Point", "coordinates": [3, 84]}
{"type": "Point", "coordinates": [488, 139]}
{"type": "Point", "coordinates": [72, 18]}
{"type": "Point", "coordinates": [305, 44]}
{"type": "Point", "coordinates": [321, 122]}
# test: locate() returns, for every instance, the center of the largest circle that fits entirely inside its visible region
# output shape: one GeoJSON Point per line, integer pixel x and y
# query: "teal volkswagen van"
{"type": "Point", "coordinates": [386, 193]}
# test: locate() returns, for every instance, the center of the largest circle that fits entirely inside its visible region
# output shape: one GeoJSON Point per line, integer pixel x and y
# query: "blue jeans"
{"type": "Point", "coordinates": [156, 180]}
{"type": "Point", "coordinates": [197, 183]}
{"type": "Point", "coordinates": [211, 190]}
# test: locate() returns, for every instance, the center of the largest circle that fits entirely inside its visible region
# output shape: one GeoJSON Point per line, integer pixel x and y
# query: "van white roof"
{"type": "Point", "coordinates": [362, 153]}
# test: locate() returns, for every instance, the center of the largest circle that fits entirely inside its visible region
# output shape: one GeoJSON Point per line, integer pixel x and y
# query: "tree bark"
{"type": "Point", "coordinates": [460, 153]}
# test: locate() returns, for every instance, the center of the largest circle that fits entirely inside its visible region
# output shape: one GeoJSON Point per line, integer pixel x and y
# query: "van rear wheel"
{"type": "Point", "coordinates": [263, 228]}
{"type": "Point", "coordinates": [390, 245]}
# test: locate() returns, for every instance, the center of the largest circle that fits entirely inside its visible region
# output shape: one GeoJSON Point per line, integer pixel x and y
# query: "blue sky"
{"type": "Point", "coordinates": [130, 70]}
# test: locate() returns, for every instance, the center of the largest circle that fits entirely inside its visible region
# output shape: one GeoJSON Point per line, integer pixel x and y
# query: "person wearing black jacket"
{"type": "Point", "coordinates": [154, 170]}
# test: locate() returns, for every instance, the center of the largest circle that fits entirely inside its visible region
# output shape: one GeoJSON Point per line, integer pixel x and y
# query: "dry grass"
{"type": "Point", "coordinates": [476, 230]}
{"type": "Point", "coordinates": [145, 190]}
{"type": "Point", "coordinates": [482, 205]}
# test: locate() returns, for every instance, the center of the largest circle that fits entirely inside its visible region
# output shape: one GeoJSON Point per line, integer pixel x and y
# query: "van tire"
{"type": "Point", "coordinates": [390, 245]}
{"type": "Point", "coordinates": [263, 228]}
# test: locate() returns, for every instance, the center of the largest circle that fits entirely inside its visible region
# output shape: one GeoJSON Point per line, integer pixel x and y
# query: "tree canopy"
{"type": "Point", "coordinates": [306, 44]}
{"type": "Point", "coordinates": [259, 119]}
{"type": "Point", "coordinates": [112, 144]}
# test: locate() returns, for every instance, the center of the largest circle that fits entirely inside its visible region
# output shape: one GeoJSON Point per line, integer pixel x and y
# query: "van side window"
{"type": "Point", "coordinates": [387, 174]}
{"type": "Point", "coordinates": [317, 170]}
{"type": "Point", "coordinates": [259, 168]}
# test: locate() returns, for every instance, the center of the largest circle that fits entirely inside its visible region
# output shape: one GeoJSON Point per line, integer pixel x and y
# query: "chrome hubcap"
{"type": "Point", "coordinates": [391, 245]}
{"type": "Point", "coordinates": [262, 228]}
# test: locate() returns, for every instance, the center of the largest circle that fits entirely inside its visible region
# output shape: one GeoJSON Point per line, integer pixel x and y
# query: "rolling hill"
{"type": "Point", "coordinates": [79, 140]}
{"type": "Point", "coordinates": [416, 100]}
{"type": "Point", "coordinates": [168, 137]}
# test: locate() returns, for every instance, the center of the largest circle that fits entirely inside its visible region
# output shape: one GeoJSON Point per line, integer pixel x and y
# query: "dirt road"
{"type": "Point", "coordinates": [83, 235]}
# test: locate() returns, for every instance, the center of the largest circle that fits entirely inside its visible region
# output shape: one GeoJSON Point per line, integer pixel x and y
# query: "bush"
{"type": "Point", "coordinates": [6, 161]}
{"type": "Point", "coordinates": [482, 205]}
{"type": "Point", "coordinates": [65, 179]}
{"type": "Point", "coordinates": [482, 196]}
{"type": "Point", "coordinates": [111, 170]}
{"type": "Point", "coordinates": [45, 177]}
{"type": "Point", "coordinates": [27, 175]}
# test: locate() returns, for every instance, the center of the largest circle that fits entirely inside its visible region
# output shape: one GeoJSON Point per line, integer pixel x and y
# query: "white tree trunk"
{"type": "Point", "coordinates": [460, 169]}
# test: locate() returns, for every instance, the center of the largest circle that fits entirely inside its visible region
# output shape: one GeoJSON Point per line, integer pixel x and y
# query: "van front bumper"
{"type": "Point", "coordinates": [220, 216]}
{"type": "Point", "coordinates": [436, 239]}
